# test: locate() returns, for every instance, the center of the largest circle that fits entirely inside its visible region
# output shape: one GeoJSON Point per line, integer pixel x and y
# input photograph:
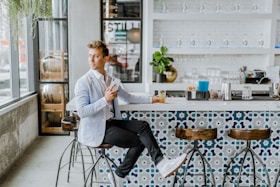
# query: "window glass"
{"type": "Point", "coordinates": [5, 56]}
{"type": "Point", "coordinates": [53, 35]}
{"type": "Point", "coordinates": [122, 32]}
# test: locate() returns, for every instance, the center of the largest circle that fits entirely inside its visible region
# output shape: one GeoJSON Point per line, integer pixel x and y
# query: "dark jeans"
{"type": "Point", "coordinates": [135, 135]}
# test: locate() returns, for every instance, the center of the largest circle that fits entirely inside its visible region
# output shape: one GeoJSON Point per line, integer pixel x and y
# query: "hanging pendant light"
{"type": "Point", "coordinates": [133, 35]}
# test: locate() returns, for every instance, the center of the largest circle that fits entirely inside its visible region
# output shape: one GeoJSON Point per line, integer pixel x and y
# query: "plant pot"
{"type": "Point", "coordinates": [171, 75]}
{"type": "Point", "coordinates": [160, 77]}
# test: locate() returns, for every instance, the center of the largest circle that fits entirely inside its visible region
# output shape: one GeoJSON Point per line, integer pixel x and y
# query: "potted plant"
{"type": "Point", "coordinates": [161, 64]}
{"type": "Point", "coordinates": [18, 9]}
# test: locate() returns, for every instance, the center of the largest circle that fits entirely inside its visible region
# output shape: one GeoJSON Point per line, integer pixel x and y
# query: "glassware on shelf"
{"type": "Point", "coordinates": [192, 41]}
{"type": "Point", "coordinates": [161, 40]}
{"type": "Point", "coordinates": [245, 40]}
{"type": "Point", "coordinates": [202, 7]}
{"type": "Point", "coordinates": [218, 7]}
{"type": "Point", "coordinates": [209, 40]}
{"type": "Point", "coordinates": [179, 40]}
{"type": "Point", "coordinates": [236, 7]}
{"type": "Point", "coordinates": [185, 7]}
{"type": "Point", "coordinates": [226, 40]}
{"type": "Point", "coordinates": [261, 40]}
{"type": "Point", "coordinates": [255, 6]}
{"type": "Point", "coordinates": [164, 7]}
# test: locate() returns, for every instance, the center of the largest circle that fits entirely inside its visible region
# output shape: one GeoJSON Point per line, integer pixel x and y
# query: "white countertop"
{"type": "Point", "coordinates": [181, 104]}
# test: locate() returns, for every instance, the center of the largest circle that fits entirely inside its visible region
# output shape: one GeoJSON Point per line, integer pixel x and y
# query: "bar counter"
{"type": "Point", "coordinates": [223, 115]}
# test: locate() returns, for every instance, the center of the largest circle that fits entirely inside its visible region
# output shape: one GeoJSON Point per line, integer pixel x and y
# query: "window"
{"type": "Point", "coordinates": [16, 66]}
{"type": "Point", "coordinates": [122, 32]}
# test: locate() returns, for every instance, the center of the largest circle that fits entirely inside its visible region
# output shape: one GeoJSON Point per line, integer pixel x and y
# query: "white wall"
{"type": "Point", "coordinates": [84, 26]}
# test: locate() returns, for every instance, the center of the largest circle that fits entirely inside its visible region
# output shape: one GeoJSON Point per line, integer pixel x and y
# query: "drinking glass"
{"type": "Point", "coordinates": [236, 6]}
{"type": "Point", "coordinates": [245, 40]}
{"type": "Point", "coordinates": [185, 6]}
{"type": "Point", "coordinates": [226, 40]}
{"type": "Point", "coordinates": [162, 96]}
{"type": "Point", "coordinates": [164, 7]}
{"type": "Point", "coordinates": [261, 40]}
{"type": "Point", "coordinates": [161, 40]}
{"type": "Point", "coordinates": [179, 41]}
{"type": "Point", "coordinates": [202, 7]}
{"type": "Point", "coordinates": [209, 41]}
{"type": "Point", "coordinates": [192, 41]}
{"type": "Point", "coordinates": [218, 7]}
{"type": "Point", "coordinates": [246, 93]}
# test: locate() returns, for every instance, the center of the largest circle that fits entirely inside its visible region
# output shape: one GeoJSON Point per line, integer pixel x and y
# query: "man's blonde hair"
{"type": "Point", "coordinates": [98, 44]}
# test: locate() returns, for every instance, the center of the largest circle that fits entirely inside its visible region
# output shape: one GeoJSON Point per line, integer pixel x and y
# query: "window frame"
{"type": "Point", "coordinates": [14, 66]}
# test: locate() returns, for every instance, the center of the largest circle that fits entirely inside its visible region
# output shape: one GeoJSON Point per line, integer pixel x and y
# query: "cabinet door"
{"type": "Point", "coordinates": [122, 32]}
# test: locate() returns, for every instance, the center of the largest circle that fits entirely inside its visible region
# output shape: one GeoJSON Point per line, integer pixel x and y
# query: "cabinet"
{"type": "Point", "coordinates": [122, 32]}
{"type": "Point", "coordinates": [53, 67]}
{"type": "Point", "coordinates": [53, 90]}
{"type": "Point", "coordinates": [213, 36]}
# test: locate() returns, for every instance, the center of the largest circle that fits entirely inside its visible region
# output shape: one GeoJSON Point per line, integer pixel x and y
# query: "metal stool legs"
{"type": "Point", "coordinates": [253, 155]}
{"type": "Point", "coordinates": [205, 163]}
{"type": "Point", "coordinates": [93, 171]}
{"type": "Point", "coordinates": [277, 177]}
{"type": "Point", "coordinates": [75, 148]}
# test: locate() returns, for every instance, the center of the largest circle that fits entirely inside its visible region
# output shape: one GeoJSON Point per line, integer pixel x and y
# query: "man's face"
{"type": "Point", "coordinates": [96, 59]}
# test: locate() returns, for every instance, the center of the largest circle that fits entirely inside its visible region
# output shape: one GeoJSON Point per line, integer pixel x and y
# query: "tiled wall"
{"type": "Point", "coordinates": [218, 152]}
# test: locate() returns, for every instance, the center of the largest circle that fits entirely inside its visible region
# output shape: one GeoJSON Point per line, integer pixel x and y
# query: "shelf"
{"type": "Point", "coordinates": [183, 86]}
{"type": "Point", "coordinates": [229, 51]}
{"type": "Point", "coordinates": [210, 17]}
{"type": "Point", "coordinates": [49, 129]}
{"type": "Point", "coordinates": [53, 66]}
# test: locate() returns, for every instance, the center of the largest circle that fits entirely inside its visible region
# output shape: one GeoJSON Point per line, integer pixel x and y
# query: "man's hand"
{"type": "Point", "coordinates": [110, 94]}
{"type": "Point", "coordinates": [158, 99]}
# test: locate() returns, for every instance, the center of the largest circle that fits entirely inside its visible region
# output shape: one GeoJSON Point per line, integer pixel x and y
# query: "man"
{"type": "Point", "coordinates": [101, 122]}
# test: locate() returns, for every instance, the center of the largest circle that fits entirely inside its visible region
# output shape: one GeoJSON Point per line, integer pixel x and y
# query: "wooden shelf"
{"type": "Point", "coordinates": [53, 89]}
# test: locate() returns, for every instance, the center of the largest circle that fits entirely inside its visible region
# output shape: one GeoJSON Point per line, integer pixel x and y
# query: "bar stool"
{"type": "Point", "coordinates": [248, 135]}
{"type": "Point", "coordinates": [70, 124]}
{"type": "Point", "coordinates": [94, 169]}
{"type": "Point", "coordinates": [196, 135]}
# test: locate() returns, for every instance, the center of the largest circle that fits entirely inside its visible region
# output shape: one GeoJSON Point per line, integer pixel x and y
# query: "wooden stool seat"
{"type": "Point", "coordinates": [196, 134]}
{"type": "Point", "coordinates": [253, 134]}
{"type": "Point", "coordinates": [70, 123]}
{"type": "Point", "coordinates": [104, 146]}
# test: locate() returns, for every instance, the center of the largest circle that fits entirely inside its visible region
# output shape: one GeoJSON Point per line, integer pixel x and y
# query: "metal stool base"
{"type": "Point", "coordinates": [205, 164]}
{"type": "Point", "coordinates": [253, 155]}
{"type": "Point", "coordinates": [93, 171]}
{"type": "Point", "coordinates": [276, 179]}
{"type": "Point", "coordinates": [75, 149]}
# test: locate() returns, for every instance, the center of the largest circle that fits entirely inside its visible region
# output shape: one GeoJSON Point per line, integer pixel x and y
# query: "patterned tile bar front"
{"type": "Point", "coordinates": [218, 152]}
{"type": "Point", "coordinates": [224, 115]}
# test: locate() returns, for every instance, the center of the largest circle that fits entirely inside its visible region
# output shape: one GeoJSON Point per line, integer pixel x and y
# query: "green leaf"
{"type": "Point", "coordinates": [163, 50]}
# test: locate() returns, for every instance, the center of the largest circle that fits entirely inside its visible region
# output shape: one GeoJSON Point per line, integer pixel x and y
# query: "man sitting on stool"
{"type": "Point", "coordinates": [101, 120]}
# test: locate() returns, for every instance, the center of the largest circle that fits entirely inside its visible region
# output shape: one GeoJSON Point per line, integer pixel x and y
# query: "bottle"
{"type": "Point", "coordinates": [242, 74]}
